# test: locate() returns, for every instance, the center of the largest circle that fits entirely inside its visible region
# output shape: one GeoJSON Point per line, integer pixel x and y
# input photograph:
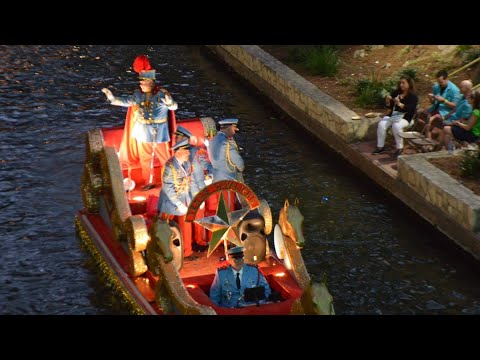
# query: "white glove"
{"type": "Point", "coordinates": [193, 140]}
{"type": "Point", "coordinates": [182, 209]}
{"type": "Point", "coordinates": [109, 94]}
{"type": "Point", "coordinates": [202, 206]}
{"type": "Point", "coordinates": [208, 181]}
{"type": "Point", "coordinates": [167, 100]}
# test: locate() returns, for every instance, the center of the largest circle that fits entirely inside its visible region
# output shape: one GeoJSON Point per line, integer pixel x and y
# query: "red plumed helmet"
{"type": "Point", "coordinates": [141, 63]}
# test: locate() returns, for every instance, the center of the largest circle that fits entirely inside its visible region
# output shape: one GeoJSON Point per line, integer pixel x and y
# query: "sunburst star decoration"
{"type": "Point", "coordinates": [223, 225]}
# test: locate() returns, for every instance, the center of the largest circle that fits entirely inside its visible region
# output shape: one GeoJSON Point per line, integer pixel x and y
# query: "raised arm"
{"type": "Point", "coordinates": [124, 101]}
{"type": "Point", "coordinates": [168, 101]}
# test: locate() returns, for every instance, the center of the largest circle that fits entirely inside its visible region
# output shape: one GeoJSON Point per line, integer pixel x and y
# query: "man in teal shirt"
{"type": "Point", "coordinates": [444, 96]}
{"type": "Point", "coordinates": [461, 112]}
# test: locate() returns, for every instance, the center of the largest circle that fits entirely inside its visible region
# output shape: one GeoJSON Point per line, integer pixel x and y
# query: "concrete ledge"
{"type": "Point", "coordinates": [440, 189]}
{"type": "Point", "coordinates": [323, 109]}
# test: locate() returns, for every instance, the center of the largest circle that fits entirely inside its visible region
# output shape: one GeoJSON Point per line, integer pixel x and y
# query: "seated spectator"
{"type": "Point", "coordinates": [403, 103]}
{"type": "Point", "coordinates": [462, 111]}
{"type": "Point", "coordinates": [468, 131]}
{"type": "Point", "coordinates": [444, 95]}
{"type": "Point", "coordinates": [230, 281]}
{"type": "Point", "coordinates": [443, 98]}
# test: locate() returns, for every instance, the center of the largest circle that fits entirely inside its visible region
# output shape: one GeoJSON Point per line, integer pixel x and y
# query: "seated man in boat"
{"type": "Point", "coordinates": [225, 157]}
{"type": "Point", "coordinates": [228, 287]}
{"type": "Point", "coordinates": [201, 173]}
{"type": "Point", "coordinates": [150, 106]}
{"type": "Point", "coordinates": [176, 193]}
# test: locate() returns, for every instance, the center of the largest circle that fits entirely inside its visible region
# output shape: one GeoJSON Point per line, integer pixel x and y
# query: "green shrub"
{"type": "Point", "coordinates": [411, 72]}
{"type": "Point", "coordinates": [318, 59]}
{"type": "Point", "coordinates": [345, 82]}
{"type": "Point", "coordinates": [370, 93]}
{"type": "Point", "coordinates": [322, 60]}
{"type": "Point", "coordinates": [470, 163]}
{"type": "Point", "coordinates": [462, 48]}
{"type": "Point", "coordinates": [471, 55]}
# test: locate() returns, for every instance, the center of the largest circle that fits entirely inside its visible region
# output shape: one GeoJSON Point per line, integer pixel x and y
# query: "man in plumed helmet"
{"type": "Point", "coordinates": [149, 110]}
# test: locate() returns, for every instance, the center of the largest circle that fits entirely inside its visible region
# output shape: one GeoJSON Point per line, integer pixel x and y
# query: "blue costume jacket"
{"type": "Point", "coordinates": [226, 160]}
{"type": "Point", "coordinates": [224, 291]}
{"type": "Point", "coordinates": [177, 187]}
{"type": "Point", "coordinates": [150, 113]}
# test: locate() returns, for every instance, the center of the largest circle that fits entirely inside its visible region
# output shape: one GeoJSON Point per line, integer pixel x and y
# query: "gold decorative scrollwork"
{"type": "Point", "coordinates": [136, 231]}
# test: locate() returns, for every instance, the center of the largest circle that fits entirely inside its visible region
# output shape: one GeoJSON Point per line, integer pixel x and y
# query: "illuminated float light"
{"type": "Point", "coordinates": [254, 257]}
{"type": "Point", "coordinates": [281, 274]}
{"type": "Point", "coordinates": [139, 198]}
{"type": "Point", "coordinates": [191, 286]}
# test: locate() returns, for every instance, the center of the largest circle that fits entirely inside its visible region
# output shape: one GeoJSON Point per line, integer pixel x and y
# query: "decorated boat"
{"type": "Point", "coordinates": [142, 257]}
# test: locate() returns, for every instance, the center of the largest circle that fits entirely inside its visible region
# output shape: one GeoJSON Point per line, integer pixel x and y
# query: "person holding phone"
{"type": "Point", "coordinates": [402, 104]}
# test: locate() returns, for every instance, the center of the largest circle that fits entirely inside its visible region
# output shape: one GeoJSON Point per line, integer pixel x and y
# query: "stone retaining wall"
{"type": "Point", "coordinates": [440, 189]}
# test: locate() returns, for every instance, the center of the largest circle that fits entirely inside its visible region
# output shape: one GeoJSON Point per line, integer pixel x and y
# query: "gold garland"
{"type": "Point", "coordinates": [90, 200]}
{"type": "Point", "coordinates": [183, 187]}
{"type": "Point", "coordinates": [107, 271]}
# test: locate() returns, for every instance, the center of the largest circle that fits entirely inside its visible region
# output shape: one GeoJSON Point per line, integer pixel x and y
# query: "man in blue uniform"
{"type": "Point", "coordinates": [230, 281]}
{"type": "Point", "coordinates": [224, 155]}
{"type": "Point", "coordinates": [150, 106]}
{"type": "Point", "coordinates": [201, 173]}
{"type": "Point", "coordinates": [226, 160]}
{"type": "Point", "coordinates": [176, 192]}
{"type": "Point", "coordinates": [202, 168]}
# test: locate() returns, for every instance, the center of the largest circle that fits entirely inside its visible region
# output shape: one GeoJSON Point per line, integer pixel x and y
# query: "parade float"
{"type": "Point", "coordinates": [142, 257]}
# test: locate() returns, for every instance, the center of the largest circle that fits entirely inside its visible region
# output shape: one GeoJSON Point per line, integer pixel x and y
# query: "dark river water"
{"type": "Point", "coordinates": [378, 256]}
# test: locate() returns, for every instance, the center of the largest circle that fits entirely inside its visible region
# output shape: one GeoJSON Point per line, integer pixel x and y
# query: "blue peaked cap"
{"type": "Point", "coordinates": [184, 144]}
{"type": "Point", "coordinates": [226, 122]}
{"type": "Point", "coordinates": [236, 250]}
{"type": "Point", "coordinates": [183, 132]}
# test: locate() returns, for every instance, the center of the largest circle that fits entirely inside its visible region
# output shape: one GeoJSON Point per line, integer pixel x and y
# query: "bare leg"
{"type": "Point", "coordinates": [437, 133]}
{"type": "Point", "coordinates": [447, 134]}
{"type": "Point", "coordinates": [428, 127]}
